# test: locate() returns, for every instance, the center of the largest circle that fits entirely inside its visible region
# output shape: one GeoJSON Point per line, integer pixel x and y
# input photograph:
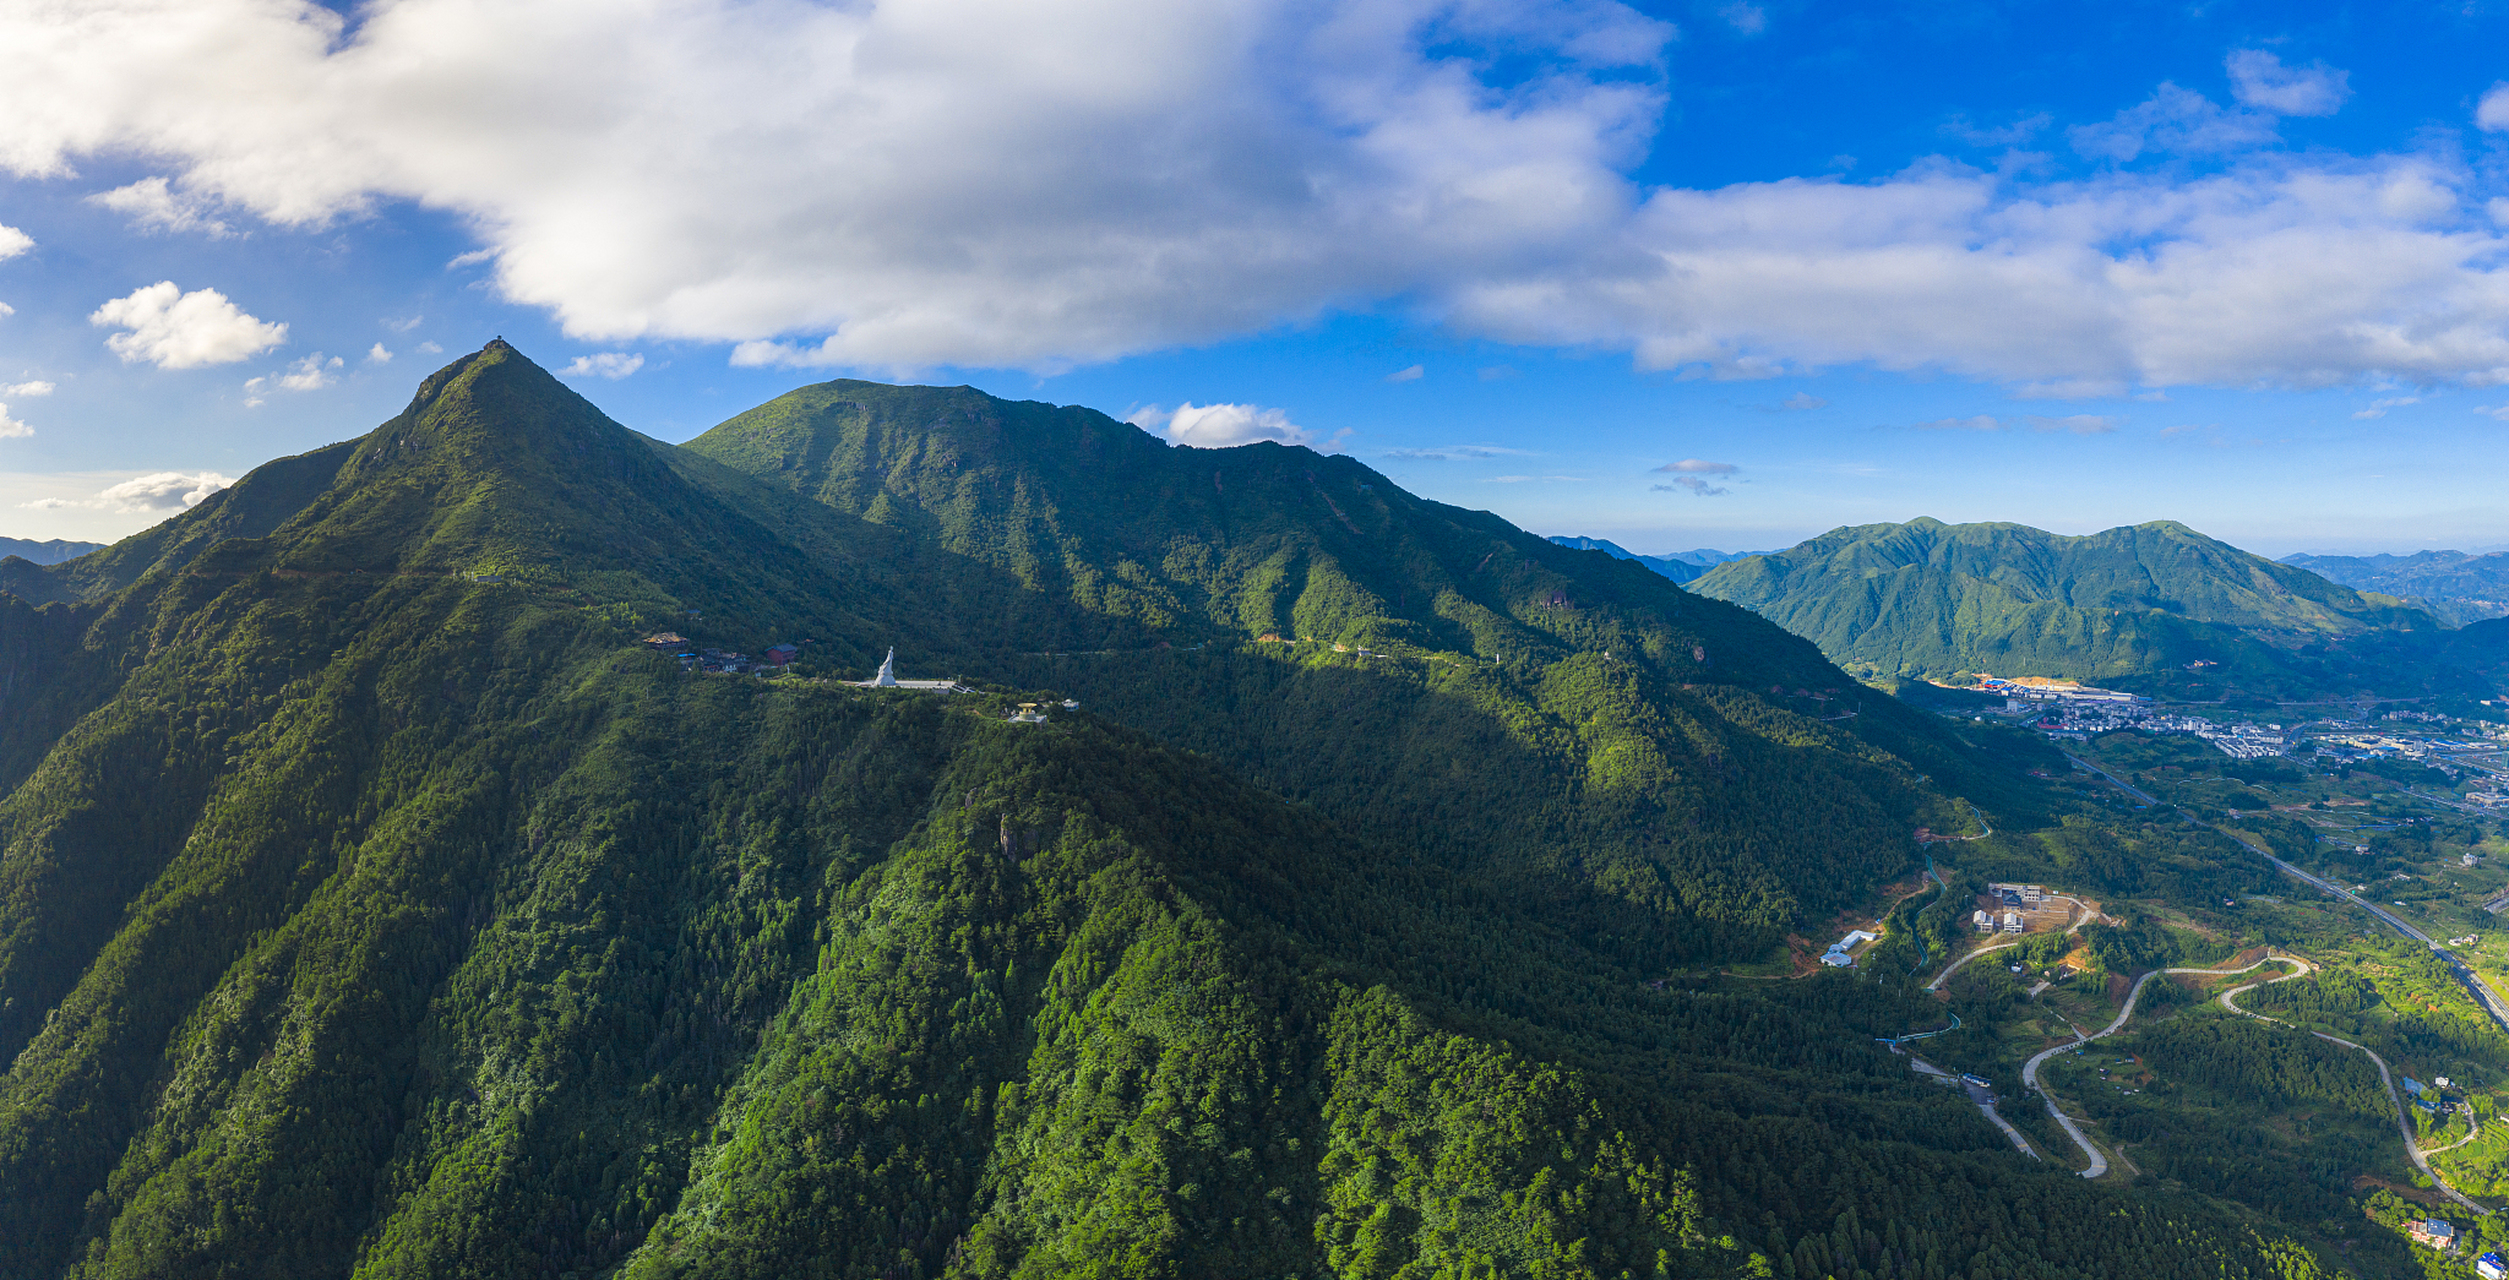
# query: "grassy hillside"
{"type": "Point", "coordinates": [2134, 606]}
{"type": "Point", "coordinates": [375, 904]}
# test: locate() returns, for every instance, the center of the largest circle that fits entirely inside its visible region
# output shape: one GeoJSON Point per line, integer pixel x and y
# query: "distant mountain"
{"type": "Point", "coordinates": [1680, 566]}
{"type": "Point", "coordinates": [2457, 587]}
{"type": "Point", "coordinates": [2153, 605]}
{"type": "Point", "coordinates": [53, 551]}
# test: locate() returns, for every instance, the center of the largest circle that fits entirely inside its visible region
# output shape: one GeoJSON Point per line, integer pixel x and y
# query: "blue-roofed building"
{"type": "Point", "coordinates": [2491, 1267]}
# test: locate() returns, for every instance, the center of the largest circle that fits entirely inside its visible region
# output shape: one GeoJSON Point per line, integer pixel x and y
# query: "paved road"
{"type": "Point", "coordinates": [2030, 1069]}
{"type": "Point", "coordinates": [1985, 1100]}
{"type": "Point", "coordinates": [2122, 785]}
{"type": "Point", "coordinates": [2484, 994]}
{"type": "Point", "coordinates": [2404, 1115]}
{"type": "Point", "coordinates": [1954, 966]}
{"type": "Point", "coordinates": [2475, 985]}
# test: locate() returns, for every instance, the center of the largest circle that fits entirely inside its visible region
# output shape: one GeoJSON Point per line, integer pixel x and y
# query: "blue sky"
{"type": "Point", "coordinates": [1723, 274]}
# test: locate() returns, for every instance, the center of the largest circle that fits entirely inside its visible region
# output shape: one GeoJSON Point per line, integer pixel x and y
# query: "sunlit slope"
{"type": "Point", "coordinates": [1930, 599]}
{"type": "Point", "coordinates": [380, 919]}
{"type": "Point", "coordinates": [1554, 718]}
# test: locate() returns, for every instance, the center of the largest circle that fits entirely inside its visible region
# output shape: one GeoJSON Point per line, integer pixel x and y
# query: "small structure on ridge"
{"type": "Point", "coordinates": [887, 679]}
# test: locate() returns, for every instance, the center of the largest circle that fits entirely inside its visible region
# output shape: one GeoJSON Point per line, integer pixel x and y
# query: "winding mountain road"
{"type": "Point", "coordinates": [2386, 1077]}
{"type": "Point", "coordinates": [2030, 1069]}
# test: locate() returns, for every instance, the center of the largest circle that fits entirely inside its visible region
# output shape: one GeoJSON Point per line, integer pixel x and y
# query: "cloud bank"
{"type": "Point", "coordinates": [904, 183]}
{"type": "Point", "coordinates": [160, 491]}
{"type": "Point", "coordinates": [1221, 426]}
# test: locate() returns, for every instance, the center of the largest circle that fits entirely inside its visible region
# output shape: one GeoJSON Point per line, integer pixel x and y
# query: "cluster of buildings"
{"type": "Point", "coordinates": [721, 661]}
{"type": "Point", "coordinates": [2432, 1097]}
{"type": "Point", "coordinates": [2238, 741]}
{"type": "Point", "coordinates": [2021, 908]}
{"type": "Point", "coordinates": [1840, 954]}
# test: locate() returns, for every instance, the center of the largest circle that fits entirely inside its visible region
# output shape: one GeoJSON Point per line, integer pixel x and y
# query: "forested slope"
{"type": "Point", "coordinates": [2457, 587]}
{"type": "Point", "coordinates": [374, 904]}
{"type": "Point", "coordinates": [1538, 713]}
{"type": "Point", "coordinates": [2141, 605]}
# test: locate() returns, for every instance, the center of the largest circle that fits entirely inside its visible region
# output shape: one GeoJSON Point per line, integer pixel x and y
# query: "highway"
{"type": "Point", "coordinates": [2491, 1001]}
{"type": "Point", "coordinates": [2481, 990]}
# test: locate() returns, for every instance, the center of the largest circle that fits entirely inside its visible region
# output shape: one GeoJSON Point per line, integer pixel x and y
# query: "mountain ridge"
{"type": "Point", "coordinates": [47, 550]}
{"type": "Point", "coordinates": [2135, 603]}
{"type": "Point", "coordinates": [2457, 586]}
{"type": "Point", "coordinates": [1680, 566]}
{"type": "Point", "coordinates": [388, 909]}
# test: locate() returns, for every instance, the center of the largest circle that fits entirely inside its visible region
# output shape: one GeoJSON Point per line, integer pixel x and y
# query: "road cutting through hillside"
{"type": "Point", "coordinates": [2404, 1115]}
{"type": "Point", "coordinates": [2030, 1069]}
{"type": "Point", "coordinates": [2229, 1001]}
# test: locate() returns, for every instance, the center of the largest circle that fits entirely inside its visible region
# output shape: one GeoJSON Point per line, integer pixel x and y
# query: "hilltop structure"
{"type": "Point", "coordinates": [887, 679]}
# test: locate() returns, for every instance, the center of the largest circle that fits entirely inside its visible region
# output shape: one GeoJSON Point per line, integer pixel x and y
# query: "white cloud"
{"type": "Point", "coordinates": [160, 491]}
{"type": "Point", "coordinates": [2176, 121]}
{"type": "Point", "coordinates": [2499, 412]}
{"type": "Point", "coordinates": [2379, 408]}
{"type": "Point", "coordinates": [1412, 374]}
{"type": "Point", "coordinates": [1692, 485]}
{"type": "Point", "coordinates": [2071, 389]}
{"type": "Point", "coordinates": [1221, 426]}
{"type": "Point", "coordinates": [1698, 467]}
{"type": "Point", "coordinates": [2011, 135]}
{"type": "Point", "coordinates": [312, 373]}
{"type": "Point", "coordinates": [429, 349]}
{"type": "Point", "coordinates": [2490, 115]}
{"type": "Point", "coordinates": [12, 243]}
{"type": "Point", "coordinates": [378, 354]}
{"type": "Point", "coordinates": [1803, 400]}
{"type": "Point", "coordinates": [987, 183]}
{"type": "Point", "coordinates": [27, 388]}
{"type": "Point", "coordinates": [2081, 424]}
{"type": "Point", "coordinates": [405, 324]}
{"type": "Point", "coordinates": [153, 205]}
{"type": "Point", "coordinates": [176, 330]}
{"type": "Point", "coordinates": [1455, 453]}
{"type": "Point", "coordinates": [1746, 19]}
{"type": "Point", "coordinates": [2260, 80]}
{"type": "Point", "coordinates": [1982, 422]}
{"type": "Point", "coordinates": [613, 365]}
{"type": "Point", "coordinates": [11, 428]}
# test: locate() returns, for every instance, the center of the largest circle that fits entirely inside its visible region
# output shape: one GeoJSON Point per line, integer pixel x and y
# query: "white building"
{"type": "Point", "coordinates": [2012, 922]}
{"type": "Point", "coordinates": [1984, 921]}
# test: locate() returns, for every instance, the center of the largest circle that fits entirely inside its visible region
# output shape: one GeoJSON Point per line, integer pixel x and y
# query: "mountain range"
{"type": "Point", "coordinates": [1680, 566]}
{"type": "Point", "coordinates": [2149, 607]}
{"type": "Point", "coordinates": [49, 551]}
{"type": "Point", "coordinates": [382, 893]}
{"type": "Point", "coordinates": [2456, 587]}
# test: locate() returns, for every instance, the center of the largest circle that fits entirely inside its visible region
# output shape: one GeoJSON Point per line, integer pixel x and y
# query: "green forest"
{"type": "Point", "coordinates": [2148, 607]}
{"type": "Point", "coordinates": [1380, 897]}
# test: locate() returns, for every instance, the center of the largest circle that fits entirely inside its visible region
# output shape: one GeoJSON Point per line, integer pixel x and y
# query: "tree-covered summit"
{"type": "Point", "coordinates": [375, 902]}
{"type": "Point", "coordinates": [2140, 602]}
